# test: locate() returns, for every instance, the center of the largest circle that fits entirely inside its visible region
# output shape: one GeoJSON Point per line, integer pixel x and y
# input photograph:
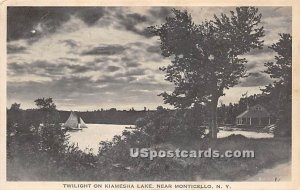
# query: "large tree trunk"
{"type": "Point", "coordinates": [213, 124]}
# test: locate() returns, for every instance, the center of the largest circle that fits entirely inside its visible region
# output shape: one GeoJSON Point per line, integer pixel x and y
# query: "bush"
{"type": "Point", "coordinates": [171, 126]}
{"type": "Point", "coordinates": [162, 126]}
{"type": "Point", "coordinates": [38, 150]}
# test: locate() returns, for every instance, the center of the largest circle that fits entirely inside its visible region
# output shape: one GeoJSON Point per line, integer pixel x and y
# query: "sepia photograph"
{"type": "Point", "coordinates": [149, 93]}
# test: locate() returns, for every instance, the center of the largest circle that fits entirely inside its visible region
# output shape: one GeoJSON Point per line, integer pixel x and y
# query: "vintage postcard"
{"type": "Point", "coordinates": [149, 95]}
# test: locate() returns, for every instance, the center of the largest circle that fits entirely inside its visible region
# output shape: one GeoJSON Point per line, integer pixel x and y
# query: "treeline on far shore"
{"type": "Point", "coordinates": [226, 113]}
{"type": "Point", "coordinates": [96, 117]}
{"type": "Point", "coordinates": [107, 116]}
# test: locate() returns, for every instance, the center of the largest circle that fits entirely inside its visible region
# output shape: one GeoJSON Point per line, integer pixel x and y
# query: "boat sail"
{"type": "Point", "coordinates": [73, 122]}
{"type": "Point", "coordinates": [82, 124]}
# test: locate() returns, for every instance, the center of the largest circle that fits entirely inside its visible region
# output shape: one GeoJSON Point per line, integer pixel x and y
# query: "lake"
{"type": "Point", "coordinates": [90, 137]}
{"type": "Point", "coordinates": [248, 134]}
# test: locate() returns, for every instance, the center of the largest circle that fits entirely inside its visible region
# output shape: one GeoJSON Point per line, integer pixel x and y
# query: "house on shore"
{"type": "Point", "coordinates": [254, 116]}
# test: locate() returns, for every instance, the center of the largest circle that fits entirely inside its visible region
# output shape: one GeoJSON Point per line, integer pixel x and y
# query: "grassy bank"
{"type": "Point", "coordinates": [117, 165]}
{"type": "Point", "coordinates": [268, 153]}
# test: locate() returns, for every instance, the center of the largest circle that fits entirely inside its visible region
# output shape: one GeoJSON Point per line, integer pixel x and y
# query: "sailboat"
{"type": "Point", "coordinates": [81, 123]}
{"type": "Point", "coordinates": [74, 123]}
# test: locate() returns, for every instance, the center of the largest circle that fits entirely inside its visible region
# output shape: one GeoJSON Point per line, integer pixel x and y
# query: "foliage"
{"type": "Point", "coordinates": [39, 150]}
{"type": "Point", "coordinates": [170, 126]}
{"type": "Point", "coordinates": [282, 68]}
{"type": "Point", "coordinates": [42, 153]}
{"type": "Point", "coordinates": [45, 103]}
{"type": "Point", "coordinates": [162, 126]}
{"type": "Point", "coordinates": [207, 55]}
{"type": "Point", "coordinates": [280, 91]}
{"type": "Point", "coordinates": [47, 110]}
{"type": "Point", "coordinates": [15, 107]}
{"type": "Point", "coordinates": [117, 163]}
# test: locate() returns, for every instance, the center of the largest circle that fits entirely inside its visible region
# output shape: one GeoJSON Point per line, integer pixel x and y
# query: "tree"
{"type": "Point", "coordinates": [14, 117]}
{"type": "Point", "coordinates": [15, 107]}
{"type": "Point", "coordinates": [45, 103]}
{"type": "Point", "coordinates": [281, 90]}
{"type": "Point", "coordinates": [206, 56]}
{"type": "Point", "coordinates": [282, 68]}
{"type": "Point", "coordinates": [49, 114]}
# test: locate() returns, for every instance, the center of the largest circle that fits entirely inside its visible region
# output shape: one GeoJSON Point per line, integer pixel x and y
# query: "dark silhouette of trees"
{"type": "Point", "coordinates": [45, 103]}
{"type": "Point", "coordinates": [15, 106]}
{"type": "Point", "coordinates": [281, 90]}
{"type": "Point", "coordinates": [282, 68]}
{"type": "Point", "coordinates": [206, 56]}
{"type": "Point", "coordinates": [113, 109]}
{"type": "Point", "coordinates": [47, 110]}
{"type": "Point", "coordinates": [42, 152]}
{"type": "Point", "coordinates": [14, 113]}
{"type": "Point", "coordinates": [231, 112]}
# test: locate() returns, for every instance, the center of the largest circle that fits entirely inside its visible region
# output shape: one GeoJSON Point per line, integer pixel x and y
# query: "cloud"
{"type": "Point", "coordinates": [154, 49]}
{"type": "Point", "coordinates": [276, 20]}
{"type": "Point", "coordinates": [130, 21]}
{"type": "Point", "coordinates": [71, 43]}
{"type": "Point", "coordinates": [15, 49]}
{"type": "Point", "coordinates": [40, 68]}
{"type": "Point", "coordinates": [129, 63]}
{"type": "Point", "coordinates": [260, 52]}
{"type": "Point", "coordinates": [255, 79]}
{"type": "Point", "coordinates": [34, 22]}
{"type": "Point", "coordinates": [251, 65]}
{"type": "Point", "coordinates": [46, 69]}
{"type": "Point", "coordinates": [139, 52]}
{"type": "Point", "coordinates": [58, 88]}
{"type": "Point", "coordinates": [135, 72]}
{"type": "Point", "coordinates": [160, 13]}
{"type": "Point", "coordinates": [82, 93]}
{"type": "Point", "coordinates": [105, 50]}
{"type": "Point", "coordinates": [257, 57]}
{"type": "Point", "coordinates": [90, 15]}
{"type": "Point", "coordinates": [112, 68]}
{"type": "Point", "coordinates": [69, 59]}
{"type": "Point", "coordinates": [85, 57]}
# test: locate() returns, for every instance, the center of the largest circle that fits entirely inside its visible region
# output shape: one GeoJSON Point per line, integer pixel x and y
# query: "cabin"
{"type": "Point", "coordinates": [254, 116]}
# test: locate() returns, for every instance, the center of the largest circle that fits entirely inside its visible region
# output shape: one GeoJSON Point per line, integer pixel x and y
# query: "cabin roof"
{"type": "Point", "coordinates": [256, 111]}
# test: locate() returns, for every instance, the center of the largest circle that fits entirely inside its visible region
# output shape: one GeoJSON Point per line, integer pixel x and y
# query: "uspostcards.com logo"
{"type": "Point", "coordinates": [209, 153]}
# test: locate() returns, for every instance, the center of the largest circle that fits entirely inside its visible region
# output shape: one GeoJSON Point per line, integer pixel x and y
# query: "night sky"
{"type": "Point", "coordinates": [102, 57]}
